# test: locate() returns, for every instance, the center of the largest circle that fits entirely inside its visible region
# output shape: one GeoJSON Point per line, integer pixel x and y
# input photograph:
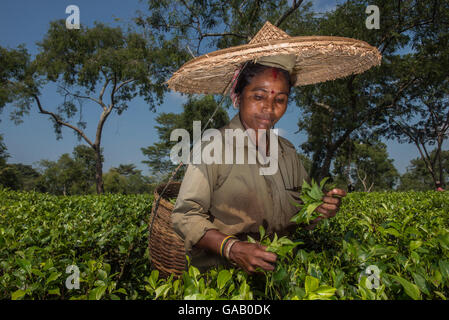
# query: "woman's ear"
{"type": "Point", "coordinates": [236, 102]}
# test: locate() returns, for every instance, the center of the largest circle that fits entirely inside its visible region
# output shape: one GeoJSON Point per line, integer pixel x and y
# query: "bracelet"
{"type": "Point", "coordinates": [228, 247]}
{"type": "Point", "coordinates": [223, 243]}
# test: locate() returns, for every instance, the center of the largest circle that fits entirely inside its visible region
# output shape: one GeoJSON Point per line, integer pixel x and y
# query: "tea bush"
{"type": "Point", "coordinates": [403, 237]}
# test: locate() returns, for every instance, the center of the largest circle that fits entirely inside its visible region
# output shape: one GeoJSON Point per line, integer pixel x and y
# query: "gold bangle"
{"type": "Point", "coordinates": [223, 244]}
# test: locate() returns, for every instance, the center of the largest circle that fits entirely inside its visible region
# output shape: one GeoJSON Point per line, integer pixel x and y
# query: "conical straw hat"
{"type": "Point", "coordinates": [318, 59]}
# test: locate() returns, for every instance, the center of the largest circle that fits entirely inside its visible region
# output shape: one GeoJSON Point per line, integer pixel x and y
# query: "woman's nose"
{"type": "Point", "coordinates": [269, 105]}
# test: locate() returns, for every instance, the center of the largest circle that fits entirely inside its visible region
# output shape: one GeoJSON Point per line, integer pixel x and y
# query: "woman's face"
{"type": "Point", "coordinates": [264, 100]}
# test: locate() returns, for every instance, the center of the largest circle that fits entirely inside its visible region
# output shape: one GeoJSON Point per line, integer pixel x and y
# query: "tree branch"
{"type": "Point", "coordinates": [203, 35]}
{"type": "Point", "coordinates": [295, 5]}
{"type": "Point", "coordinates": [102, 91]}
{"type": "Point", "coordinates": [83, 97]}
{"type": "Point", "coordinates": [58, 120]}
{"type": "Point", "coordinates": [122, 84]}
{"type": "Point", "coordinates": [325, 106]}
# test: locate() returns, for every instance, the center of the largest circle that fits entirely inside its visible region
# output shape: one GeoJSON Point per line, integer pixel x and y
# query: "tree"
{"type": "Point", "coordinates": [127, 169]}
{"type": "Point", "coordinates": [88, 65]}
{"type": "Point", "coordinates": [27, 176]}
{"type": "Point", "coordinates": [357, 106]}
{"type": "Point", "coordinates": [424, 121]}
{"type": "Point", "coordinates": [201, 26]}
{"type": "Point", "coordinates": [14, 66]}
{"type": "Point", "coordinates": [8, 176]}
{"type": "Point", "coordinates": [368, 166]}
{"type": "Point", "coordinates": [3, 152]}
{"type": "Point", "coordinates": [57, 177]}
{"type": "Point", "coordinates": [196, 109]}
{"type": "Point", "coordinates": [417, 176]}
{"type": "Point", "coordinates": [306, 162]}
{"type": "Point", "coordinates": [67, 175]}
{"type": "Point", "coordinates": [85, 159]}
{"type": "Point", "coordinates": [126, 179]}
{"type": "Point", "coordinates": [16, 176]}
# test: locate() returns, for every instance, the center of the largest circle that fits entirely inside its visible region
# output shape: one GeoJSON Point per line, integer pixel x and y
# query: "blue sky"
{"type": "Point", "coordinates": [123, 136]}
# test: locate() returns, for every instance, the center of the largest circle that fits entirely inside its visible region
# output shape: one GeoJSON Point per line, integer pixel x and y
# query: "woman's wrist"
{"type": "Point", "coordinates": [224, 243]}
{"type": "Point", "coordinates": [229, 245]}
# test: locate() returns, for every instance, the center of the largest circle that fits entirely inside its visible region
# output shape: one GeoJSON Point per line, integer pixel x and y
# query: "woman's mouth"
{"type": "Point", "coordinates": [265, 120]}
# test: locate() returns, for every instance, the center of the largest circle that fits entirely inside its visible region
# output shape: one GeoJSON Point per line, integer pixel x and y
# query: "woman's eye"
{"type": "Point", "coordinates": [256, 97]}
{"type": "Point", "coordinates": [280, 100]}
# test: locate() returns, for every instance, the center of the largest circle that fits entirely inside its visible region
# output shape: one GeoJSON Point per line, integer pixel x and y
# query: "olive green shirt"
{"type": "Point", "coordinates": [236, 199]}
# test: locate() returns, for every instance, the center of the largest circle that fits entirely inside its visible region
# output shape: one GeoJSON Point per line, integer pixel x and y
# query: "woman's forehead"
{"type": "Point", "coordinates": [267, 89]}
{"type": "Point", "coordinates": [269, 80]}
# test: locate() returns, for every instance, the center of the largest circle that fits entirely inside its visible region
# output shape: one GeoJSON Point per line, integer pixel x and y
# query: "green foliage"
{"type": "Point", "coordinates": [102, 64]}
{"type": "Point", "coordinates": [69, 175]}
{"type": "Point", "coordinates": [41, 235]}
{"type": "Point", "coordinates": [417, 176]}
{"type": "Point", "coordinates": [199, 25]}
{"type": "Point", "coordinates": [126, 179]}
{"type": "Point", "coordinates": [359, 106]}
{"type": "Point", "coordinates": [367, 164]}
{"type": "Point", "coordinates": [13, 72]}
{"type": "Point", "coordinates": [18, 176]}
{"type": "Point", "coordinates": [311, 196]}
{"type": "Point", "coordinates": [15, 176]}
{"type": "Point", "coordinates": [406, 235]}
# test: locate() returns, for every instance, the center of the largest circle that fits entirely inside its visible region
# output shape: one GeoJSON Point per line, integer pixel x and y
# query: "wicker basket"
{"type": "Point", "coordinates": [166, 248]}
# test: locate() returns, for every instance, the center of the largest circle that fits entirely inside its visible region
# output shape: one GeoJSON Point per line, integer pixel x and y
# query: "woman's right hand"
{"type": "Point", "coordinates": [249, 256]}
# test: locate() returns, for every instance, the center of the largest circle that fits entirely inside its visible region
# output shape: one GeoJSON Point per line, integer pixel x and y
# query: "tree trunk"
{"type": "Point", "coordinates": [438, 154]}
{"type": "Point", "coordinates": [315, 169]}
{"type": "Point", "coordinates": [98, 170]}
{"type": "Point", "coordinates": [324, 172]}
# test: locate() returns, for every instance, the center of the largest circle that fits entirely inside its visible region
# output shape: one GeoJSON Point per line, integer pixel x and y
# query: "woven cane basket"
{"type": "Point", "coordinates": [166, 248]}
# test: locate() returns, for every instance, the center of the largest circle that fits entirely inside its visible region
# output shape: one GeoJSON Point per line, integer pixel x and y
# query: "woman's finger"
{"type": "Point", "coordinates": [265, 255]}
{"type": "Point", "coordinates": [326, 212]}
{"type": "Point", "coordinates": [337, 192]}
{"type": "Point", "coordinates": [329, 207]}
{"type": "Point", "coordinates": [331, 200]}
{"type": "Point", "coordinates": [265, 265]}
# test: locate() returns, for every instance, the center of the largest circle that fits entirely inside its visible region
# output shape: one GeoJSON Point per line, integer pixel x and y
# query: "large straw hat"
{"type": "Point", "coordinates": [318, 59]}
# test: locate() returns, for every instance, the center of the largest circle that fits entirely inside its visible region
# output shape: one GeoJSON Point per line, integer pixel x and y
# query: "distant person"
{"type": "Point", "coordinates": [438, 186]}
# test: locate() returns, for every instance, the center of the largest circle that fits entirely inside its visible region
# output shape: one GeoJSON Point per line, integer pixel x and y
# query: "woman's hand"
{"type": "Point", "coordinates": [249, 256]}
{"type": "Point", "coordinates": [329, 208]}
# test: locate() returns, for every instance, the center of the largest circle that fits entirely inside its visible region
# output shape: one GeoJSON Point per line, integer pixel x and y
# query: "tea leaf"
{"type": "Point", "coordinates": [223, 277]}
{"type": "Point", "coordinates": [16, 295]}
{"type": "Point", "coordinates": [410, 289]}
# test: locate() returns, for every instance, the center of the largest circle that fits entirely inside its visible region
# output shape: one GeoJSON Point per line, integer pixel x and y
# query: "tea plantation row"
{"type": "Point", "coordinates": [379, 246]}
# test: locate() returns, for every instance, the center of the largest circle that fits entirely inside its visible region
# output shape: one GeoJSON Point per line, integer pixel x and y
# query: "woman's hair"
{"type": "Point", "coordinates": [250, 71]}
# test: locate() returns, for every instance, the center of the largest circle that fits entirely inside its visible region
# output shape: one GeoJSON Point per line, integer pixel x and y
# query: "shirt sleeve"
{"type": "Point", "coordinates": [302, 173]}
{"type": "Point", "coordinates": [190, 217]}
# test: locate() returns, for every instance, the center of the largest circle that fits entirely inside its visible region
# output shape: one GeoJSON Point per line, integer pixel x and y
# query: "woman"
{"type": "Point", "coordinates": [218, 201]}
{"type": "Point", "coordinates": [262, 95]}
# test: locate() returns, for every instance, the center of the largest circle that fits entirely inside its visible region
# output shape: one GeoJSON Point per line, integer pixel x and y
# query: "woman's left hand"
{"type": "Point", "coordinates": [329, 207]}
